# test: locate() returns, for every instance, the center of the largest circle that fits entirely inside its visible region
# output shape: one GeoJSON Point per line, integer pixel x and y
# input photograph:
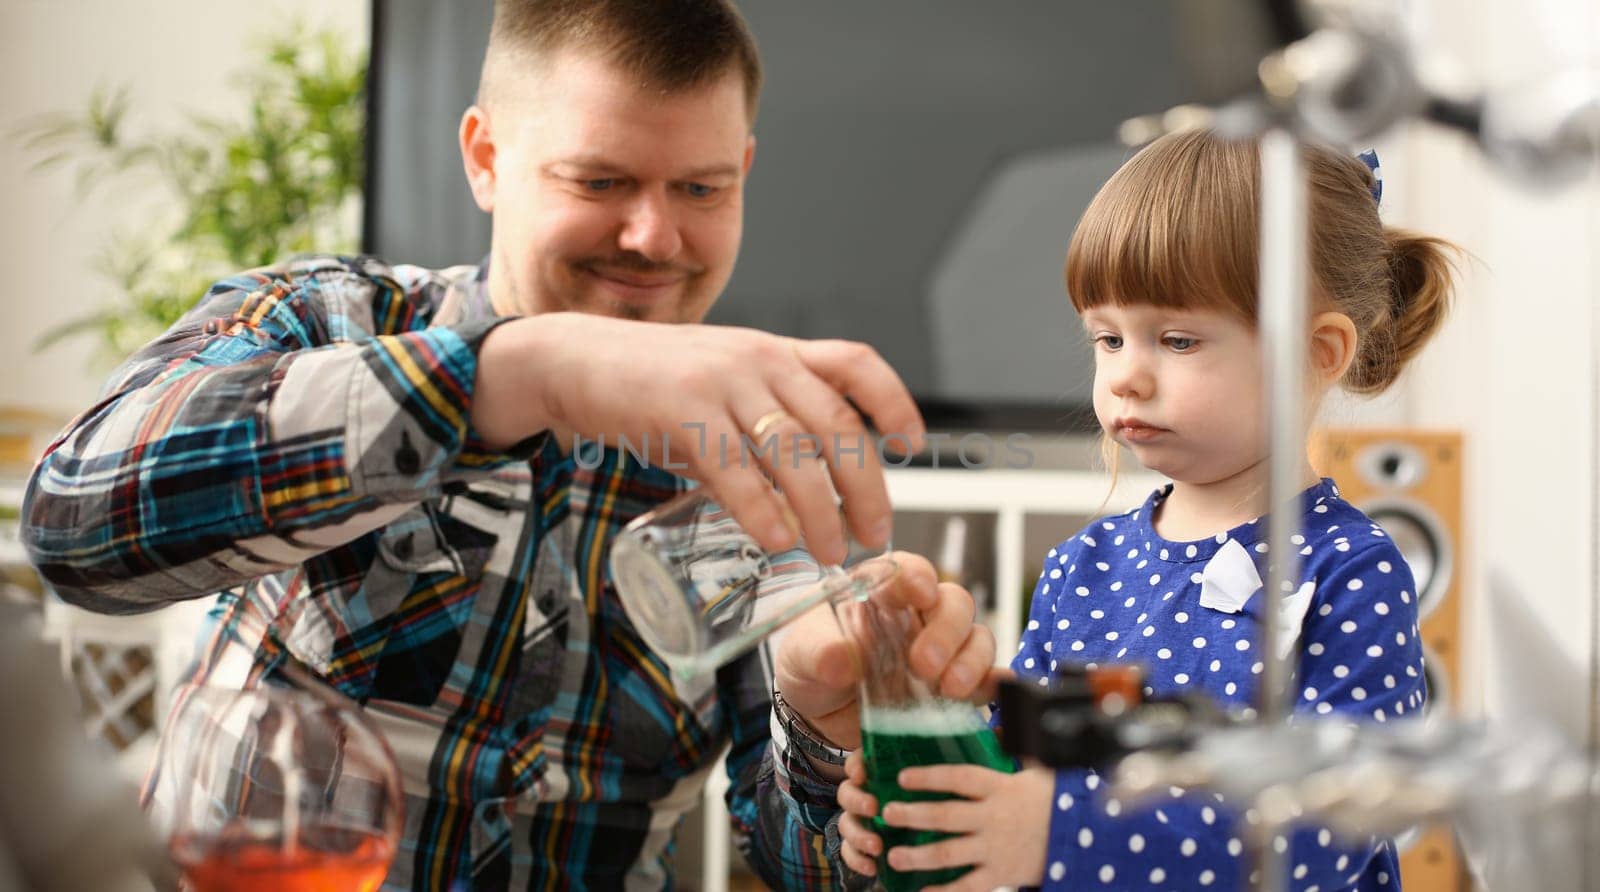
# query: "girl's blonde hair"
{"type": "Point", "coordinates": [1177, 226]}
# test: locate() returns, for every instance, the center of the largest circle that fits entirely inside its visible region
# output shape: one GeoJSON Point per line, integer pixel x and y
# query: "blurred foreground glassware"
{"type": "Point", "coordinates": [275, 788]}
{"type": "Point", "coordinates": [701, 592]}
{"type": "Point", "coordinates": [905, 724]}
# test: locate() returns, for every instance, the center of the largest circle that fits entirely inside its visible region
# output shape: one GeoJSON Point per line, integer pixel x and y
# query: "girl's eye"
{"type": "Point", "coordinates": [1181, 344]}
{"type": "Point", "coordinates": [600, 185]}
{"type": "Point", "coordinates": [1109, 341]}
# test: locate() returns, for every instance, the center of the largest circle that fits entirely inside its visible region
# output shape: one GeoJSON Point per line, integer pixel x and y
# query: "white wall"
{"type": "Point", "coordinates": [1516, 370]}
{"type": "Point", "coordinates": [177, 58]}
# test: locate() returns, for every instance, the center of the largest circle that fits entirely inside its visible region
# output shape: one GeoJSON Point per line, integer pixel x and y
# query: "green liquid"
{"type": "Point", "coordinates": [938, 734]}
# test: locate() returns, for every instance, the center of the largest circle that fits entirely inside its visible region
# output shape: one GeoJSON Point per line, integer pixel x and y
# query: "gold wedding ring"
{"type": "Point", "coordinates": [765, 423]}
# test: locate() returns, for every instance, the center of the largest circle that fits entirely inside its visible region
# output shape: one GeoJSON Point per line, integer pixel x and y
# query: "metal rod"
{"type": "Point", "coordinates": [1591, 867]}
{"type": "Point", "coordinates": [1283, 255]}
{"type": "Point", "coordinates": [1284, 227]}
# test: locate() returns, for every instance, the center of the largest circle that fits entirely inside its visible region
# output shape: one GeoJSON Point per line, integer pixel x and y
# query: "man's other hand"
{"type": "Point", "coordinates": [818, 669]}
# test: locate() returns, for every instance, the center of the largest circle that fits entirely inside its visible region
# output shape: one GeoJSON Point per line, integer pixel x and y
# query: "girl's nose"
{"type": "Point", "coordinates": [1131, 377]}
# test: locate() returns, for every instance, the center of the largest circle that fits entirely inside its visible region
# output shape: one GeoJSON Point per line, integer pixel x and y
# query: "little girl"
{"type": "Point", "coordinates": [1162, 270]}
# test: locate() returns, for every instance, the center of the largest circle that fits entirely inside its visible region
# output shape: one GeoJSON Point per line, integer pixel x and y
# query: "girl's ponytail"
{"type": "Point", "coordinates": [1420, 286]}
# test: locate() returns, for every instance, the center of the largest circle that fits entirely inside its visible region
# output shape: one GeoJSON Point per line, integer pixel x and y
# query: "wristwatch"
{"type": "Point", "coordinates": [802, 736]}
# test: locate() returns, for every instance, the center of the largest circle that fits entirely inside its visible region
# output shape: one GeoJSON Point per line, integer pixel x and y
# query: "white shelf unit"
{"type": "Point", "coordinates": [1011, 497]}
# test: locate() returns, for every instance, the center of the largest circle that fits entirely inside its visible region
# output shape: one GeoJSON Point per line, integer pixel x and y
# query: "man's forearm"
{"type": "Point", "coordinates": [511, 401]}
{"type": "Point", "coordinates": [245, 452]}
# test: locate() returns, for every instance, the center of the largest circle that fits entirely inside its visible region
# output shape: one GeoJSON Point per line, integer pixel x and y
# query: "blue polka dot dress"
{"type": "Point", "coordinates": [1189, 613]}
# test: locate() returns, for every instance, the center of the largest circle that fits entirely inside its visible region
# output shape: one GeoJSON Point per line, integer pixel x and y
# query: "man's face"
{"type": "Point", "coordinates": [609, 196]}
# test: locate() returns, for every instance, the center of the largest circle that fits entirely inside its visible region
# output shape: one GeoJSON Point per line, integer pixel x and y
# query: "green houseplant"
{"type": "Point", "coordinates": [284, 177]}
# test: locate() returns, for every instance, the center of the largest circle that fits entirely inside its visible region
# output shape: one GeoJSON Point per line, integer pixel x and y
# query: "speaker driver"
{"type": "Point", "coordinates": [1423, 541]}
{"type": "Point", "coordinates": [1392, 465]}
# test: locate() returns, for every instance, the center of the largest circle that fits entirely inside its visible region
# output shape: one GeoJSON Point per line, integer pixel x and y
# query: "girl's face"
{"type": "Point", "coordinates": [1181, 388]}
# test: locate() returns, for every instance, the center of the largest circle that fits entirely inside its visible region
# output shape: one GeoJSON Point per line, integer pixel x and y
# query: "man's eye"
{"type": "Point", "coordinates": [700, 190]}
{"type": "Point", "coordinates": [1182, 345]}
{"type": "Point", "coordinates": [600, 185]}
{"type": "Point", "coordinates": [1109, 341]}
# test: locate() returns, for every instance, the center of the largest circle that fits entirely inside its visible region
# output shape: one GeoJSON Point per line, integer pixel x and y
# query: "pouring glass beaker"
{"type": "Point", "coordinates": [700, 591]}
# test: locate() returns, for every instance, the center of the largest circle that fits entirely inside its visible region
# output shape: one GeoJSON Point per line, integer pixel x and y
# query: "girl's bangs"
{"type": "Point", "coordinates": [1174, 227]}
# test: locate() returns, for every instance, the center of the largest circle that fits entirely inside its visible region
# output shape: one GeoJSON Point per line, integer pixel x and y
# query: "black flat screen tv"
{"type": "Point", "coordinates": [920, 166]}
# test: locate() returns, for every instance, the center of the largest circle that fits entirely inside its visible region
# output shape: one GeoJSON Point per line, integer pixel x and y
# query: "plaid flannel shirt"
{"type": "Point", "coordinates": [301, 443]}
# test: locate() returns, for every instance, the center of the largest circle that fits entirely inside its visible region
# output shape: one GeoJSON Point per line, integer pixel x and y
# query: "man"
{"type": "Point", "coordinates": [374, 462]}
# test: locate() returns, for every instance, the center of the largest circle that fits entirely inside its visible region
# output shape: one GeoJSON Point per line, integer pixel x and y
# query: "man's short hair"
{"type": "Point", "coordinates": [674, 45]}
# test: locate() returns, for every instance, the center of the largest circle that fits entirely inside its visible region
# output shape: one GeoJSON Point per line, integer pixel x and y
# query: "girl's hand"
{"type": "Point", "coordinates": [1001, 822]}
{"type": "Point", "coordinates": [860, 846]}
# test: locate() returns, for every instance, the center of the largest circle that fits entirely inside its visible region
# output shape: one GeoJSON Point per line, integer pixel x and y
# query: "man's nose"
{"type": "Point", "coordinates": [651, 228]}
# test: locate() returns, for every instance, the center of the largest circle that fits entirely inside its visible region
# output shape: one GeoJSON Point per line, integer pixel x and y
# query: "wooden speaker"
{"type": "Point", "coordinates": [1409, 481]}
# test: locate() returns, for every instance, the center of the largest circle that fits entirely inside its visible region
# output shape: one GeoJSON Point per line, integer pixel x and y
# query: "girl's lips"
{"type": "Point", "coordinates": [1141, 433]}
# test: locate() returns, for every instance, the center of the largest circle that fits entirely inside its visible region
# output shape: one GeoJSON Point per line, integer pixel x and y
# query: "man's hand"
{"type": "Point", "coordinates": [697, 389]}
{"type": "Point", "coordinates": [817, 669]}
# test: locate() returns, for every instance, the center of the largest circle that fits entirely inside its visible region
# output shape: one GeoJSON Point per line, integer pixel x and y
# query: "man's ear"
{"type": "Point", "coordinates": [749, 153]}
{"type": "Point", "coordinates": [477, 156]}
{"type": "Point", "coordinates": [1333, 346]}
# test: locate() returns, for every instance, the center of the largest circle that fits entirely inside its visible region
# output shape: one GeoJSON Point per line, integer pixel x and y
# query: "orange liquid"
{"type": "Point", "coordinates": [221, 865]}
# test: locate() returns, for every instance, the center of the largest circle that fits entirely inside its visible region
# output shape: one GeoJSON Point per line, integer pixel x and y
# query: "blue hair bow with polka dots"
{"type": "Point", "coordinates": [1370, 159]}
